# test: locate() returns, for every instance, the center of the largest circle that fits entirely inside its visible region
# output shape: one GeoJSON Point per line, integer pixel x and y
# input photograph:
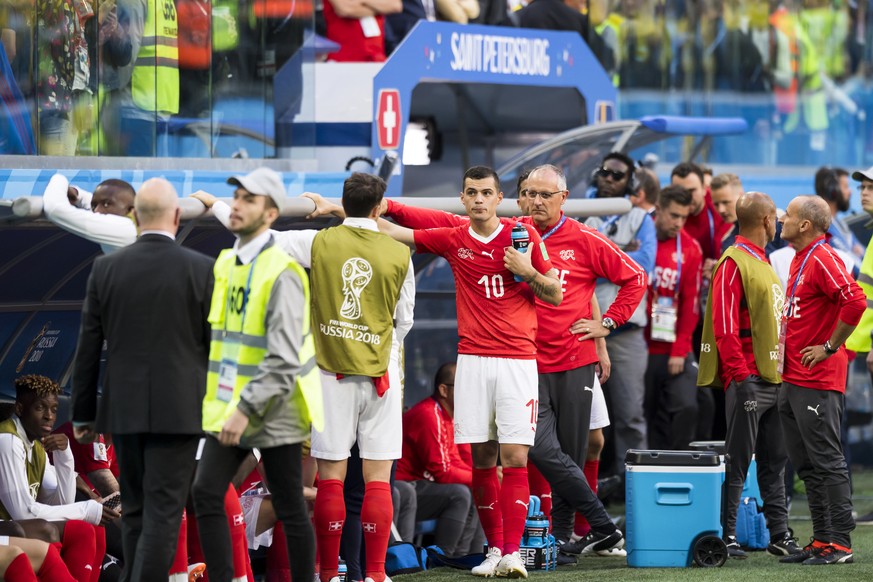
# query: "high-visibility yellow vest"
{"type": "Point", "coordinates": [155, 83]}
{"type": "Point", "coordinates": [238, 318]}
{"type": "Point", "coordinates": [860, 341]}
{"type": "Point", "coordinates": [35, 467]}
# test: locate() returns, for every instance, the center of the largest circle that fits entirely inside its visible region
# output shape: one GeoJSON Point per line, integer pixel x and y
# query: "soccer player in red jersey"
{"type": "Point", "coordinates": [671, 377]}
{"type": "Point", "coordinates": [496, 379]}
{"type": "Point", "coordinates": [565, 364]}
{"type": "Point", "coordinates": [823, 304]}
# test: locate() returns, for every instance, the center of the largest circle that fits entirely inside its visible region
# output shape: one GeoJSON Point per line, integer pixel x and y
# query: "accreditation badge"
{"type": "Point", "coordinates": [781, 355]}
{"type": "Point", "coordinates": [227, 371]}
{"type": "Point", "coordinates": [664, 318]}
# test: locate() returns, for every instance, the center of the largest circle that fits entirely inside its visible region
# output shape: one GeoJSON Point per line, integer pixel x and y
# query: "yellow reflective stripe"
{"type": "Point", "coordinates": [158, 62]}
{"type": "Point", "coordinates": [244, 339]}
{"type": "Point", "coordinates": [870, 304]}
{"type": "Point", "coordinates": [150, 41]}
{"type": "Point", "coordinates": [242, 370]}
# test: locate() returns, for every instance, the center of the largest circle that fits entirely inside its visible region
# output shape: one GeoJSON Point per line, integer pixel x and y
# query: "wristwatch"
{"type": "Point", "coordinates": [827, 347]}
{"type": "Point", "coordinates": [608, 323]}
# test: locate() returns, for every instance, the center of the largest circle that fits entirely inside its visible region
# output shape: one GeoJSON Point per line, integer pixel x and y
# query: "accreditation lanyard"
{"type": "Point", "coordinates": [555, 228]}
{"type": "Point", "coordinates": [789, 307]}
{"type": "Point", "coordinates": [227, 371]}
{"type": "Point", "coordinates": [711, 228]}
{"type": "Point", "coordinates": [607, 223]}
{"type": "Point", "coordinates": [665, 313]}
{"type": "Point", "coordinates": [749, 250]}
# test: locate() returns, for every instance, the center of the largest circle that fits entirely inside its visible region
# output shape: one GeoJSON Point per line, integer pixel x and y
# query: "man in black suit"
{"type": "Point", "coordinates": [150, 302]}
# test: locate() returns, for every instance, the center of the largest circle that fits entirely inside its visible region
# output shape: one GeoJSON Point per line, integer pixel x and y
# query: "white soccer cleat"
{"type": "Point", "coordinates": [368, 579]}
{"type": "Point", "coordinates": [612, 553]}
{"type": "Point", "coordinates": [488, 568]}
{"type": "Point", "coordinates": [511, 566]}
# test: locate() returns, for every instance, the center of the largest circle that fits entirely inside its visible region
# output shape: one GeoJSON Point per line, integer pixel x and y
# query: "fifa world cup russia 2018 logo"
{"type": "Point", "coordinates": [356, 276]}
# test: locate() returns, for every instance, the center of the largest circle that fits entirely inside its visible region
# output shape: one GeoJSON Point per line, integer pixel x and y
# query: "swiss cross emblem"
{"type": "Point", "coordinates": [369, 527]}
{"type": "Point", "coordinates": [239, 520]}
{"type": "Point", "coordinates": [388, 119]}
{"type": "Point", "coordinates": [335, 526]}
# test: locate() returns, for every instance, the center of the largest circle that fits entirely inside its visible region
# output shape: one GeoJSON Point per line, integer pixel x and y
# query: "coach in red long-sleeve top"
{"type": "Point", "coordinates": [739, 352]}
{"type": "Point", "coordinates": [823, 304]}
{"type": "Point", "coordinates": [440, 470]}
{"type": "Point", "coordinates": [671, 380]}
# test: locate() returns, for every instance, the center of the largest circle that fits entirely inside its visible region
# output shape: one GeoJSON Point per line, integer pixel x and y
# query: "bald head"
{"type": "Point", "coordinates": [816, 210]}
{"type": "Point", "coordinates": [752, 207]}
{"type": "Point", "coordinates": [157, 206]}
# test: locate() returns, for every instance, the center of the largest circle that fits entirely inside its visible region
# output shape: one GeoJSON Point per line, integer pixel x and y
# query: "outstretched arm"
{"type": "Point", "coordinates": [397, 232]}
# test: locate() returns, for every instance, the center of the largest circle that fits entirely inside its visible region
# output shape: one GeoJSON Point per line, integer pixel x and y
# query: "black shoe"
{"type": "Point", "coordinates": [806, 553]}
{"type": "Point", "coordinates": [830, 555]}
{"type": "Point", "coordinates": [733, 548]}
{"type": "Point", "coordinates": [607, 486]}
{"type": "Point", "coordinates": [784, 545]}
{"type": "Point", "coordinates": [566, 559]}
{"type": "Point", "coordinates": [594, 542]}
{"type": "Point", "coordinates": [865, 519]}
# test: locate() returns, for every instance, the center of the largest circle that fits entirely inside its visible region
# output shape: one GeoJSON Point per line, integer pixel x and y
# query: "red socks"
{"type": "Point", "coordinates": [53, 568]}
{"type": "Point", "coordinates": [486, 496]}
{"type": "Point", "coordinates": [78, 549]}
{"type": "Point", "coordinates": [514, 502]}
{"type": "Point", "coordinates": [330, 515]}
{"type": "Point", "coordinates": [19, 570]}
{"type": "Point", "coordinates": [99, 552]}
{"type": "Point", "coordinates": [541, 488]}
{"type": "Point", "coordinates": [180, 560]}
{"type": "Point", "coordinates": [278, 565]}
{"type": "Point", "coordinates": [377, 512]}
{"type": "Point", "coordinates": [590, 469]}
{"type": "Point", "coordinates": [238, 542]}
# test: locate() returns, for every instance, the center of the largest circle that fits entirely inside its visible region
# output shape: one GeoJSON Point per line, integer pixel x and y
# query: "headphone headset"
{"type": "Point", "coordinates": [633, 184]}
{"type": "Point", "coordinates": [827, 184]}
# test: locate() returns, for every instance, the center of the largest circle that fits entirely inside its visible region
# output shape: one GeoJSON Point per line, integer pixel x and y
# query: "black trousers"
{"type": "Point", "coordinates": [458, 532]}
{"type": "Point", "coordinates": [282, 465]}
{"type": "Point", "coordinates": [753, 426]}
{"type": "Point", "coordinates": [671, 404]}
{"type": "Point", "coordinates": [561, 446]}
{"type": "Point", "coordinates": [155, 473]}
{"type": "Point", "coordinates": [811, 422]}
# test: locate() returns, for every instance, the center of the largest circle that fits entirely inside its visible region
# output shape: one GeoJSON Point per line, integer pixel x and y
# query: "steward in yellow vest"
{"type": "Point", "coordinates": [262, 386]}
{"type": "Point", "coordinates": [860, 339]}
{"type": "Point", "coordinates": [155, 82]}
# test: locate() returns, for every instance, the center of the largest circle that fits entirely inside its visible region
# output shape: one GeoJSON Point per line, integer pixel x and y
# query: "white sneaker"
{"type": "Point", "coordinates": [368, 579]}
{"type": "Point", "coordinates": [612, 553]}
{"type": "Point", "coordinates": [488, 568]}
{"type": "Point", "coordinates": [511, 566]}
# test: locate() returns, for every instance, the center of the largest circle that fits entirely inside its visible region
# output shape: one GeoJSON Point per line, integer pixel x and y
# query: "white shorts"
{"type": "Point", "coordinates": [599, 414]}
{"type": "Point", "coordinates": [251, 506]}
{"type": "Point", "coordinates": [496, 399]}
{"type": "Point", "coordinates": [354, 412]}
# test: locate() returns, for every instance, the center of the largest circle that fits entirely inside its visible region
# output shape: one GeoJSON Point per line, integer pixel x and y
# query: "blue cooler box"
{"type": "Point", "coordinates": [673, 500]}
{"type": "Point", "coordinates": [750, 487]}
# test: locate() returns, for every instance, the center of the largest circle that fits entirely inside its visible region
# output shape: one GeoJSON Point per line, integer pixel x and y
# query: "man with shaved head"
{"type": "Point", "coordinates": [150, 302]}
{"type": "Point", "coordinates": [739, 352]}
{"type": "Point", "coordinates": [823, 304]}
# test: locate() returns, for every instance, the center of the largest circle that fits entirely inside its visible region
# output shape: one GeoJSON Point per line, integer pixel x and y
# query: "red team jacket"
{"type": "Point", "coordinates": [429, 449]}
{"type": "Point", "coordinates": [730, 315]}
{"type": "Point", "coordinates": [581, 255]}
{"type": "Point", "coordinates": [824, 292]}
{"type": "Point", "coordinates": [685, 291]}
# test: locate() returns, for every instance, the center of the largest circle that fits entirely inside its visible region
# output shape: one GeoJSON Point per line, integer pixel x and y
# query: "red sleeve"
{"type": "Point", "coordinates": [539, 257]}
{"type": "Point", "coordinates": [432, 240]}
{"type": "Point", "coordinates": [727, 293]}
{"type": "Point", "coordinates": [436, 445]}
{"type": "Point", "coordinates": [839, 285]}
{"type": "Point", "coordinates": [610, 263]}
{"type": "Point", "coordinates": [412, 217]}
{"type": "Point", "coordinates": [689, 289]}
{"type": "Point", "coordinates": [86, 458]}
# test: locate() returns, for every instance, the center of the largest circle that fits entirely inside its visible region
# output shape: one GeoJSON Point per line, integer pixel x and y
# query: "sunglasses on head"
{"type": "Point", "coordinates": [616, 175]}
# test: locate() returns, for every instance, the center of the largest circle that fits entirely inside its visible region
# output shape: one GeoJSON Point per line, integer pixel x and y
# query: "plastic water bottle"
{"type": "Point", "coordinates": [520, 241]}
{"type": "Point", "coordinates": [342, 572]}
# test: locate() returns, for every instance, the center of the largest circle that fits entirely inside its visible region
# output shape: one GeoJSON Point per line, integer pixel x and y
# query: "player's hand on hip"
{"type": "Point", "coordinates": [588, 329]}
{"type": "Point", "coordinates": [812, 355]}
{"type": "Point", "coordinates": [233, 429]}
{"type": "Point", "coordinates": [675, 365]}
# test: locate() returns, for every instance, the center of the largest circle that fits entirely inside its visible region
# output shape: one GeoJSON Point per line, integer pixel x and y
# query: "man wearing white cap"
{"type": "Point", "coordinates": [262, 385]}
